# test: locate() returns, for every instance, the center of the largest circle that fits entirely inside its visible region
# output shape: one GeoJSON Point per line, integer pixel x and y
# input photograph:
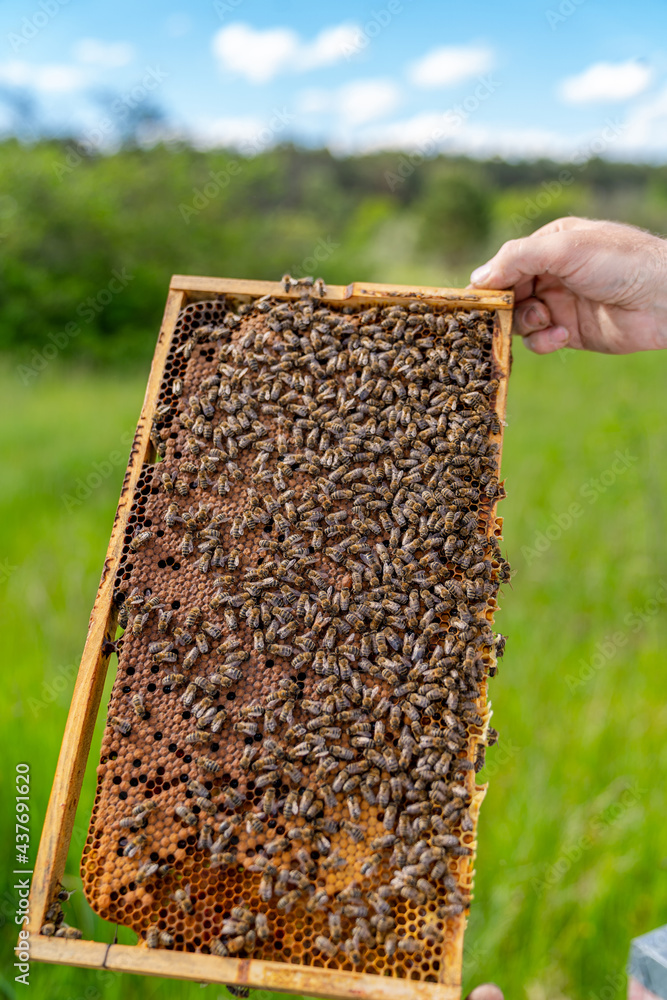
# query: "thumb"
{"type": "Point", "coordinates": [486, 991]}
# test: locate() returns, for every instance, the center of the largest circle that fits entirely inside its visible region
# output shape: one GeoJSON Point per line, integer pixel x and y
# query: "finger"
{"type": "Point", "coordinates": [547, 341]}
{"type": "Point", "coordinates": [520, 260]}
{"type": "Point", "coordinates": [561, 225]}
{"type": "Point", "coordinates": [564, 224]}
{"type": "Point", "coordinates": [486, 991]}
{"type": "Point", "coordinates": [524, 290]}
{"type": "Point", "coordinates": [637, 991]}
{"type": "Point", "coordinates": [530, 315]}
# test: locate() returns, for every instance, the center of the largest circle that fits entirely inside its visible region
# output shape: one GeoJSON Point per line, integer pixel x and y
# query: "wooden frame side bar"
{"type": "Point", "coordinates": [502, 347]}
{"type": "Point", "coordinates": [71, 766]}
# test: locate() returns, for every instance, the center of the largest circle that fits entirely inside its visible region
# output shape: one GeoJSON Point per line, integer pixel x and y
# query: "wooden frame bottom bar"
{"type": "Point", "coordinates": [241, 972]}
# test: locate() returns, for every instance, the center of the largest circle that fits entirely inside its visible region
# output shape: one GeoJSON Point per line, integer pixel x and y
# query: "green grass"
{"type": "Point", "coordinates": [572, 859]}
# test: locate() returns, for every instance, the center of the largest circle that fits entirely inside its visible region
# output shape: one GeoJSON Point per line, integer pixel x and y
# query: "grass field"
{"type": "Point", "coordinates": [572, 853]}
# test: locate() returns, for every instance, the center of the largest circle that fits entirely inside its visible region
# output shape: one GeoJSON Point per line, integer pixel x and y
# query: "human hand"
{"type": "Point", "coordinates": [487, 991]}
{"type": "Point", "coordinates": [597, 286]}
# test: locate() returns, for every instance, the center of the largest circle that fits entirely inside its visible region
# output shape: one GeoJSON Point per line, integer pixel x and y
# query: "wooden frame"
{"type": "Point", "coordinates": [77, 738]}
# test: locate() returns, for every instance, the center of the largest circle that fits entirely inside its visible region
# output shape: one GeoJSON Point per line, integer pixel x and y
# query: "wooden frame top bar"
{"type": "Point", "coordinates": [356, 292]}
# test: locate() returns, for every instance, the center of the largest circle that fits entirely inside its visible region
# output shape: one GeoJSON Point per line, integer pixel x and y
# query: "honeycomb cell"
{"type": "Point", "coordinates": [305, 593]}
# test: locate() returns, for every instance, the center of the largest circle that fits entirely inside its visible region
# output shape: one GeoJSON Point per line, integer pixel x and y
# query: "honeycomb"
{"type": "Point", "coordinates": [306, 594]}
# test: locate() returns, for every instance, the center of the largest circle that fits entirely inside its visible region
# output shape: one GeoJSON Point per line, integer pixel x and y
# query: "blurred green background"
{"type": "Point", "coordinates": [572, 857]}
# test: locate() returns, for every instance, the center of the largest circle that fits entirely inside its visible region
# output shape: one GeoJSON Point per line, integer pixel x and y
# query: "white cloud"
{"type": "Point", "coordinates": [49, 78]}
{"type": "Point", "coordinates": [249, 134]}
{"type": "Point", "coordinates": [450, 64]}
{"type": "Point", "coordinates": [314, 101]}
{"type": "Point", "coordinates": [261, 55]}
{"type": "Point", "coordinates": [354, 103]}
{"type": "Point", "coordinates": [329, 47]}
{"type": "Point", "coordinates": [256, 55]}
{"type": "Point", "coordinates": [645, 128]}
{"type": "Point", "coordinates": [430, 132]}
{"type": "Point", "coordinates": [105, 55]}
{"type": "Point", "coordinates": [606, 82]}
{"type": "Point", "coordinates": [230, 131]}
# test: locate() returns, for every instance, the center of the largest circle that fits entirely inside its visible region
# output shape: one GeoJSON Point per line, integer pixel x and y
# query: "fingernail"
{"type": "Point", "coordinates": [528, 341]}
{"type": "Point", "coordinates": [480, 274]}
{"type": "Point", "coordinates": [534, 317]}
{"type": "Point", "coordinates": [559, 337]}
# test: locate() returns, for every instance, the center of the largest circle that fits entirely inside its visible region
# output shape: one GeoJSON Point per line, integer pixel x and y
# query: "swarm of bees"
{"type": "Point", "coordinates": [328, 483]}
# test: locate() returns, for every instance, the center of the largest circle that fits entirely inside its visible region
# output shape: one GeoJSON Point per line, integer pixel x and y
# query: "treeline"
{"type": "Point", "coordinates": [88, 243]}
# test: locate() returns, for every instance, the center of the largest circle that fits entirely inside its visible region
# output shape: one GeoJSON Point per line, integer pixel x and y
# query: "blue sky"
{"type": "Point", "coordinates": [551, 77]}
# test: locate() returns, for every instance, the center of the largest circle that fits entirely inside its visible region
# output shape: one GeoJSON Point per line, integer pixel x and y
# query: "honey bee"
{"type": "Point", "coordinates": [190, 658]}
{"type": "Point", "coordinates": [172, 516]}
{"type": "Point", "coordinates": [353, 830]}
{"type": "Point", "coordinates": [138, 623]}
{"type": "Point", "coordinates": [230, 619]}
{"type": "Point", "coordinates": [69, 932]}
{"type": "Point", "coordinates": [185, 813]}
{"type": "Point", "coordinates": [248, 754]}
{"type": "Point", "coordinates": [192, 617]}
{"type": "Point", "coordinates": [187, 544]}
{"type": "Point", "coordinates": [262, 926]}
{"type": "Point", "coordinates": [254, 825]}
{"type": "Point", "coordinates": [265, 888]}
{"type": "Point", "coordinates": [120, 725]}
{"type": "Point", "coordinates": [167, 482]}
{"type": "Point", "coordinates": [182, 898]}
{"type": "Point", "coordinates": [140, 539]}
{"type": "Point", "coordinates": [164, 618]}
{"type": "Point", "coordinates": [277, 649]}
{"type": "Point", "coordinates": [326, 946]}
{"type": "Point", "coordinates": [207, 764]}
{"type": "Point", "coordinates": [134, 846]}
{"type": "Point", "coordinates": [409, 945]}
{"type": "Point", "coordinates": [289, 900]}
{"type": "Point", "coordinates": [137, 703]}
